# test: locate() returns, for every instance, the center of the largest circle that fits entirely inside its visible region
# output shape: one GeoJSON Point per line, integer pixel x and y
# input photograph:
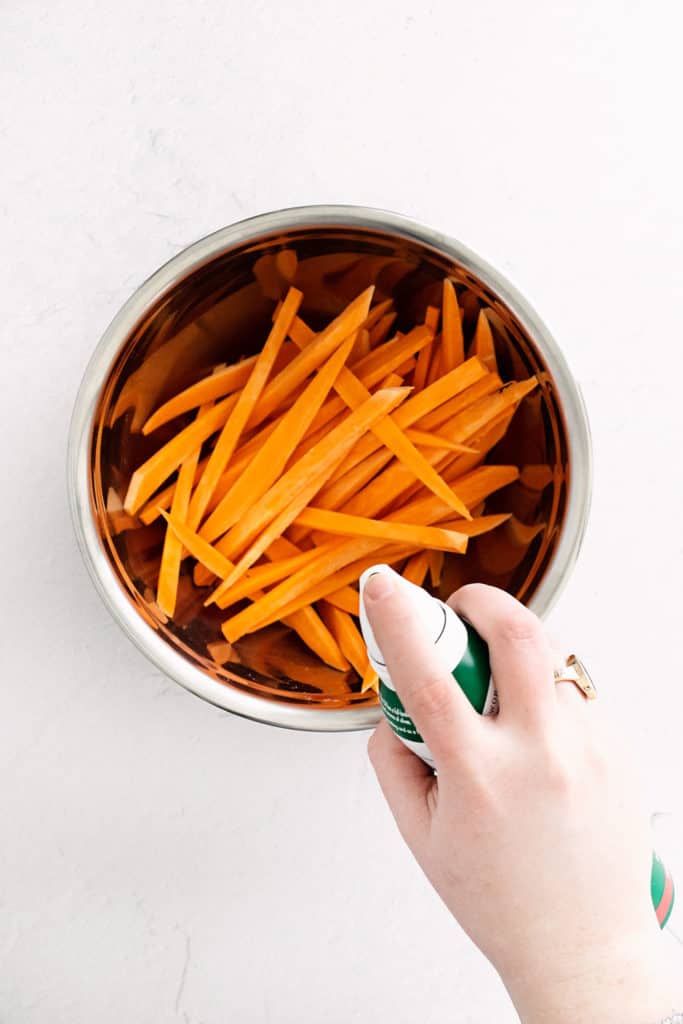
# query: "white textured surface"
{"type": "Point", "coordinates": [161, 861]}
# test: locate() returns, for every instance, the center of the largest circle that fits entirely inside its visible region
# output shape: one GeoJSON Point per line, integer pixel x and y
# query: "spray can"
{"type": "Point", "coordinates": [466, 656]}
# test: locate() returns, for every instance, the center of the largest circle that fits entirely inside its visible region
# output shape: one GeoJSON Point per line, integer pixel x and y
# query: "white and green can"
{"type": "Point", "coordinates": [465, 655]}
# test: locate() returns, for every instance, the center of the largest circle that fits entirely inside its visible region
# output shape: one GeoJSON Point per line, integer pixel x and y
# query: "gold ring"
{"type": "Point", "coordinates": [575, 671]}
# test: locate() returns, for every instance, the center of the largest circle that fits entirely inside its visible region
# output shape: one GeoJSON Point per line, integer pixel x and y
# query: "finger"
{"type": "Point", "coordinates": [441, 712]}
{"type": "Point", "coordinates": [405, 781]}
{"type": "Point", "coordinates": [521, 656]}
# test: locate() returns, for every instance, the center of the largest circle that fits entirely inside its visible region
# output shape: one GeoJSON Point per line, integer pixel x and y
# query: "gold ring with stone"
{"type": "Point", "coordinates": [574, 671]}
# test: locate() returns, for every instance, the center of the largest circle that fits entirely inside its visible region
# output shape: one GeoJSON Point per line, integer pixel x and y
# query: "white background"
{"type": "Point", "coordinates": [161, 861]}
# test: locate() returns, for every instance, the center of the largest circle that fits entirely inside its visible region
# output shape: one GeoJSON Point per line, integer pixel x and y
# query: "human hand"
{"type": "Point", "coordinates": [532, 832]}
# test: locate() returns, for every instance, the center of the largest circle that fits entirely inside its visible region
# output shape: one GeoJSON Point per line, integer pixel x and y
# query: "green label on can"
{"type": "Point", "coordinates": [396, 715]}
{"type": "Point", "coordinates": [473, 674]}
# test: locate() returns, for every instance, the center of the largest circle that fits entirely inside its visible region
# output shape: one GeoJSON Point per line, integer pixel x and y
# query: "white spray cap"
{"type": "Point", "coordinates": [434, 616]}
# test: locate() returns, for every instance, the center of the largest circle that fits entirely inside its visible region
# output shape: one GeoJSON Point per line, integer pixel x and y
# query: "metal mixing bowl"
{"type": "Point", "coordinates": [203, 307]}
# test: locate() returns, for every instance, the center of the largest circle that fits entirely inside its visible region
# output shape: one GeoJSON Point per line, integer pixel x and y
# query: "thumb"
{"type": "Point", "coordinates": [442, 714]}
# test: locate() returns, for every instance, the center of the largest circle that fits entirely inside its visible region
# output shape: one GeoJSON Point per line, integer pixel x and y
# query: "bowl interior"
{"type": "Point", "coordinates": [220, 311]}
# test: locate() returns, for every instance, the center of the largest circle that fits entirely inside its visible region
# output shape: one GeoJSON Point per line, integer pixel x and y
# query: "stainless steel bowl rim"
{"type": "Point", "coordinates": [170, 661]}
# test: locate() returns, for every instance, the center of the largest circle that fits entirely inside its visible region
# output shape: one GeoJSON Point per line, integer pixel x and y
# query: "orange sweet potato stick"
{"type": "Point", "coordinates": [347, 599]}
{"type": "Point", "coordinates": [299, 329]}
{"type": "Point", "coordinates": [204, 552]}
{"type": "Point", "coordinates": [476, 527]}
{"type": "Point", "coordinates": [331, 413]}
{"type": "Point", "coordinates": [432, 315]}
{"type": "Point", "coordinates": [435, 366]}
{"type": "Point", "coordinates": [323, 588]}
{"type": "Point", "coordinates": [356, 487]}
{"type": "Point", "coordinates": [386, 488]}
{"type": "Point", "coordinates": [482, 420]}
{"type": "Point", "coordinates": [276, 527]}
{"type": "Point", "coordinates": [260, 576]}
{"type": "Point", "coordinates": [370, 680]}
{"type": "Point", "coordinates": [453, 467]}
{"type": "Point", "coordinates": [423, 360]}
{"type": "Point", "coordinates": [419, 405]}
{"type": "Point", "coordinates": [386, 358]}
{"type": "Point", "coordinates": [237, 421]}
{"type": "Point", "coordinates": [273, 513]}
{"type": "Point", "coordinates": [429, 440]}
{"type": "Point", "coordinates": [445, 412]}
{"type": "Point", "coordinates": [346, 633]}
{"type": "Point", "coordinates": [192, 345]}
{"type": "Point", "coordinates": [436, 560]}
{"type": "Point", "coordinates": [308, 624]}
{"type": "Point", "coordinates": [475, 487]}
{"type": "Point", "coordinates": [422, 367]}
{"type": "Point", "coordinates": [354, 393]}
{"type": "Point", "coordinates": [353, 556]}
{"type": "Point", "coordinates": [172, 551]}
{"type": "Point", "coordinates": [342, 489]}
{"type": "Point", "coordinates": [416, 568]}
{"type": "Point", "coordinates": [149, 477]}
{"type": "Point", "coordinates": [393, 489]}
{"type": "Point", "coordinates": [280, 548]}
{"type": "Point", "coordinates": [376, 314]}
{"type": "Point", "coordinates": [306, 362]}
{"type": "Point", "coordinates": [286, 558]}
{"type": "Point", "coordinates": [171, 555]}
{"type": "Point", "coordinates": [163, 499]}
{"type": "Point", "coordinates": [241, 458]}
{"type": "Point", "coordinates": [392, 381]}
{"type": "Point", "coordinates": [269, 462]}
{"type": "Point", "coordinates": [370, 370]}
{"type": "Point", "coordinates": [380, 332]}
{"type": "Point", "coordinates": [452, 341]}
{"type": "Point", "coordinates": [311, 583]}
{"type": "Point", "coordinates": [300, 592]}
{"type": "Point", "coordinates": [372, 374]}
{"type": "Point", "coordinates": [401, 533]}
{"type": "Point", "coordinates": [473, 419]}
{"type": "Point", "coordinates": [405, 368]}
{"type": "Point", "coordinates": [211, 388]}
{"type": "Point", "coordinates": [451, 384]}
{"type": "Point", "coordinates": [483, 345]}
{"type": "Point", "coordinates": [152, 473]}
{"type": "Point", "coordinates": [315, 634]}
{"type": "Point", "coordinates": [362, 344]}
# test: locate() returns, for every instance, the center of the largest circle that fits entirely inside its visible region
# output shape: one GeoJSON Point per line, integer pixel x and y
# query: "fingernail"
{"type": "Point", "coordinates": [379, 586]}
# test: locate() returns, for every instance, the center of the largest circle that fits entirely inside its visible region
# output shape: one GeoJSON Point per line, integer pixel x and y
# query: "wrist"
{"type": "Point", "coordinates": [628, 982]}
